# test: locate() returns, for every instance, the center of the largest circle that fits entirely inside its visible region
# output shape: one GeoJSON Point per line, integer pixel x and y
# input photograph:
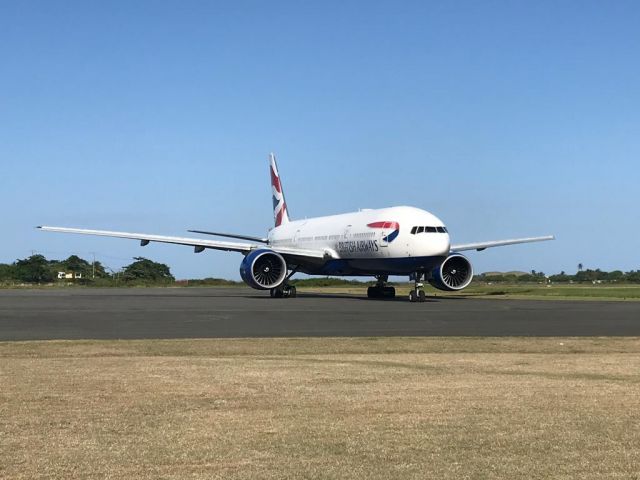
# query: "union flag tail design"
{"type": "Point", "coordinates": [280, 211]}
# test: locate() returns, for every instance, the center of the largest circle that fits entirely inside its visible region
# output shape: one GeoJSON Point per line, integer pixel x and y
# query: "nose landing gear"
{"type": "Point", "coordinates": [380, 290]}
{"type": "Point", "coordinates": [417, 294]}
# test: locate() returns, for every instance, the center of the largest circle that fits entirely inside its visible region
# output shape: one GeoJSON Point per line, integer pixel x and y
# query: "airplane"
{"type": "Point", "coordinates": [371, 242]}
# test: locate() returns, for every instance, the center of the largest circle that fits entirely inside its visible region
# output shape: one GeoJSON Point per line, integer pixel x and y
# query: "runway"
{"type": "Point", "coordinates": [162, 313]}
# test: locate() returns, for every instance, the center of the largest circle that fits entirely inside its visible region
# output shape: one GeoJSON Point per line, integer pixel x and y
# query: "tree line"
{"type": "Point", "coordinates": [37, 269]}
{"type": "Point", "coordinates": [581, 276]}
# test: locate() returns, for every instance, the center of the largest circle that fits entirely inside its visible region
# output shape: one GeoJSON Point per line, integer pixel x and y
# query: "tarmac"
{"type": "Point", "coordinates": [163, 313]}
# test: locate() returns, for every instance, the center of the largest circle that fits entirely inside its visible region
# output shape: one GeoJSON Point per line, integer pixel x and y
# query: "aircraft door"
{"type": "Point", "coordinates": [383, 239]}
{"type": "Point", "coordinates": [347, 232]}
{"type": "Point", "coordinates": [385, 231]}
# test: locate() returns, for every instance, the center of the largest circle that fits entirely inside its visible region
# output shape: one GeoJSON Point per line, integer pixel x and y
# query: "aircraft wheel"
{"type": "Point", "coordinates": [412, 296]}
{"type": "Point", "coordinates": [389, 292]}
{"type": "Point", "coordinates": [277, 293]}
{"type": "Point", "coordinates": [372, 292]}
{"type": "Point", "coordinates": [421, 296]}
{"type": "Point", "coordinates": [293, 292]}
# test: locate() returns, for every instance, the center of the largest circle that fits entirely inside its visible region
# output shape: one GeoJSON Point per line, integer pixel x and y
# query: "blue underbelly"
{"type": "Point", "coordinates": [378, 266]}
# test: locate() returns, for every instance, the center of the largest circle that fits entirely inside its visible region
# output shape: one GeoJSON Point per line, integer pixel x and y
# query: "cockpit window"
{"type": "Point", "coordinates": [415, 230]}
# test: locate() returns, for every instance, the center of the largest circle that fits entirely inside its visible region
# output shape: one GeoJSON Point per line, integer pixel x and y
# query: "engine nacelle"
{"type": "Point", "coordinates": [455, 273]}
{"type": "Point", "coordinates": [263, 269]}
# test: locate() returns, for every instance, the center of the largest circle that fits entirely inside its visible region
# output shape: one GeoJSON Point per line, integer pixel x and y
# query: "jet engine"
{"type": "Point", "coordinates": [455, 273]}
{"type": "Point", "coordinates": [263, 269]}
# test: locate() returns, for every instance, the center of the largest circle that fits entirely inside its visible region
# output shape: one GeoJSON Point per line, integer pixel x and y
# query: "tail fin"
{"type": "Point", "coordinates": [280, 210]}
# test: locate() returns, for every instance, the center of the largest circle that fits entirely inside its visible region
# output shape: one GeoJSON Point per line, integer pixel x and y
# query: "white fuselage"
{"type": "Point", "coordinates": [369, 241]}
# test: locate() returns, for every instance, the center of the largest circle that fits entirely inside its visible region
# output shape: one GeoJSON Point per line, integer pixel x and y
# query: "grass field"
{"type": "Point", "coordinates": [440, 408]}
{"type": "Point", "coordinates": [475, 290]}
{"type": "Point", "coordinates": [532, 291]}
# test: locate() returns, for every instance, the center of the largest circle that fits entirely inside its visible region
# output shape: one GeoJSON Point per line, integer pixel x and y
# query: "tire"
{"type": "Point", "coordinates": [422, 296]}
{"type": "Point", "coordinates": [293, 293]}
{"type": "Point", "coordinates": [373, 292]}
{"type": "Point", "coordinates": [389, 292]}
{"type": "Point", "coordinates": [278, 293]}
{"type": "Point", "coordinates": [412, 296]}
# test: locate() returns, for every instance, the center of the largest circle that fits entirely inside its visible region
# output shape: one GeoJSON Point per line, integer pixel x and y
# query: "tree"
{"type": "Point", "coordinates": [76, 264]}
{"type": "Point", "coordinates": [615, 276]}
{"type": "Point", "coordinates": [34, 269]}
{"type": "Point", "coordinates": [562, 277]}
{"type": "Point", "coordinates": [589, 275]}
{"type": "Point", "coordinates": [633, 276]}
{"type": "Point", "coordinates": [7, 272]}
{"type": "Point", "coordinates": [148, 270]}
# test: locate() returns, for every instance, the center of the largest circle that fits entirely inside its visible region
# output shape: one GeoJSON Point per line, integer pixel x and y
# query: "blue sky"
{"type": "Point", "coordinates": [503, 118]}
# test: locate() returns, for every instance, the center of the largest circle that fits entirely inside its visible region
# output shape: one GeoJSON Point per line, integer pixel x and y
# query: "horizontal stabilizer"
{"type": "Point", "coordinates": [498, 243]}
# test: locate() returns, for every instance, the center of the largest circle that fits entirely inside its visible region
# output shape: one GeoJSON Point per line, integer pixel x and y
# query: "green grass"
{"type": "Point", "coordinates": [475, 290]}
{"type": "Point", "coordinates": [626, 292]}
{"type": "Point", "coordinates": [514, 291]}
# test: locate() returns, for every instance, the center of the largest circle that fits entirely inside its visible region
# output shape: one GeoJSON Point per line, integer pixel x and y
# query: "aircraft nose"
{"type": "Point", "coordinates": [446, 244]}
{"type": "Point", "coordinates": [436, 244]}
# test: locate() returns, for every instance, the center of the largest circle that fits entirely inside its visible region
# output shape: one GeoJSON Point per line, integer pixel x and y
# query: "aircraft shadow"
{"type": "Point", "coordinates": [344, 296]}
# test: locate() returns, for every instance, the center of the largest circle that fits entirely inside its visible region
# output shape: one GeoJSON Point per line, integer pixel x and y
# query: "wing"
{"type": "Point", "coordinates": [198, 243]}
{"type": "Point", "coordinates": [498, 243]}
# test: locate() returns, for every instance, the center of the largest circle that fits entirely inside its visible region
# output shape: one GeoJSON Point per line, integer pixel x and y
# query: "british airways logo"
{"type": "Point", "coordinates": [395, 226]}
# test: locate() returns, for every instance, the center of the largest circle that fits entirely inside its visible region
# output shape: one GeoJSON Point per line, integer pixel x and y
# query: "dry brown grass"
{"type": "Point", "coordinates": [321, 408]}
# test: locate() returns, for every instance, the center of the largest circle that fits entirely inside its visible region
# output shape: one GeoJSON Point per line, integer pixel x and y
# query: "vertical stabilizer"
{"type": "Point", "coordinates": [280, 210]}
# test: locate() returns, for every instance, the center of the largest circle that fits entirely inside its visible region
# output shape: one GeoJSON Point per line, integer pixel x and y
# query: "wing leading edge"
{"type": "Point", "coordinates": [498, 243]}
{"type": "Point", "coordinates": [232, 235]}
{"type": "Point", "coordinates": [199, 244]}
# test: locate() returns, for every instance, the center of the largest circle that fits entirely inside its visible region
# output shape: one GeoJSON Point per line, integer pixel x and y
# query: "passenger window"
{"type": "Point", "coordinates": [413, 230]}
{"type": "Point", "coordinates": [420, 229]}
{"type": "Point", "coordinates": [431, 229]}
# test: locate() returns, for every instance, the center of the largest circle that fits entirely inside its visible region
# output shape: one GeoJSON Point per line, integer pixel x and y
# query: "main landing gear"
{"type": "Point", "coordinates": [284, 290]}
{"type": "Point", "coordinates": [417, 294]}
{"type": "Point", "coordinates": [380, 290]}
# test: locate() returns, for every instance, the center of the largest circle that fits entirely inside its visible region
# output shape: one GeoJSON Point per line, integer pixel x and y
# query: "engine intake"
{"type": "Point", "coordinates": [263, 269]}
{"type": "Point", "coordinates": [455, 273]}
